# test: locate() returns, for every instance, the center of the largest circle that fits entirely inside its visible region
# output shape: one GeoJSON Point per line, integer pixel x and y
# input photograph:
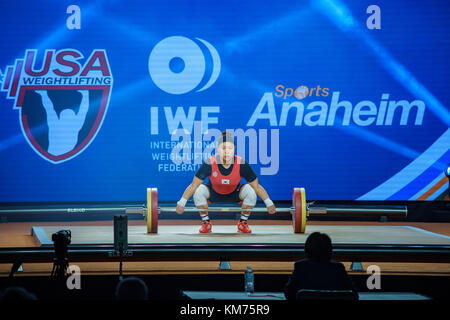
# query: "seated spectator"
{"type": "Point", "coordinates": [318, 271]}
{"type": "Point", "coordinates": [17, 294]}
{"type": "Point", "coordinates": [131, 288]}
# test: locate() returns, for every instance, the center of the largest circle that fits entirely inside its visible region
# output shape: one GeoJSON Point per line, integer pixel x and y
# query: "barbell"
{"type": "Point", "coordinates": [299, 210]}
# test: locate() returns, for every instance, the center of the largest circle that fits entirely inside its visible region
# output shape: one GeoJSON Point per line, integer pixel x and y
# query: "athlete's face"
{"type": "Point", "coordinates": [226, 152]}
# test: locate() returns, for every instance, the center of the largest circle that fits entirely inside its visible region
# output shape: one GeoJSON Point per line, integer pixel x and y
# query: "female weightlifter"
{"type": "Point", "coordinates": [225, 171]}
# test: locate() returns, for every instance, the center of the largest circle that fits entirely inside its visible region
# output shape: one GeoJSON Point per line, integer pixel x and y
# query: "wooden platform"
{"type": "Point", "coordinates": [17, 235]}
{"type": "Point", "coordinates": [262, 234]}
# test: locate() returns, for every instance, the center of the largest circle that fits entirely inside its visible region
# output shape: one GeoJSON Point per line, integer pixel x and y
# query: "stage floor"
{"type": "Point", "coordinates": [17, 235]}
{"type": "Point", "coordinates": [261, 234]}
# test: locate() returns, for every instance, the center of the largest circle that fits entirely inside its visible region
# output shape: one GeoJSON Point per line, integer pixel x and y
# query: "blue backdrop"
{"type": "Point", "coordinates": [350, 103]}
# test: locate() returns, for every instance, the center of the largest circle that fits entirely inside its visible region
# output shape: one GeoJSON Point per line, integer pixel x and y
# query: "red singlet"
{"type": "Point", "coordinates": [225, 184]}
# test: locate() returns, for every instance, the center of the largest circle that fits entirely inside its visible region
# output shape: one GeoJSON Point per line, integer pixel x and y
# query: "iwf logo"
{"type": "Point", "coordinates": [178, 65]}
{"type": "Point", "coordinates": [62, 105]}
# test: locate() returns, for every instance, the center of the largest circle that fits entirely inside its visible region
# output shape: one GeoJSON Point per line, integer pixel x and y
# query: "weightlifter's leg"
{"type": "Point", "coordinates": [249, 197]}
{"type": "Point", "coordinates": [201, 196]}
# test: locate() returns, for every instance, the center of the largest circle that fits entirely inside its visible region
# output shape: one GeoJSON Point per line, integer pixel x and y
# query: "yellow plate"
{"type": "Point", "coordinates": [303, 192]}
{"type": "Point", "coordinates": [149, 210]}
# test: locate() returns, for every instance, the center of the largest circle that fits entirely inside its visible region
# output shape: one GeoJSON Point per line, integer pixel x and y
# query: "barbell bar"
{"type": "Point", "coordinates": [299, 210]}
{"type": "Point", "coordinates": [222, 209]}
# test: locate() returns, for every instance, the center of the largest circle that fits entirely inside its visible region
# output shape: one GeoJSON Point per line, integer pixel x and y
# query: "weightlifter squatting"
{"type": "Point", "coordinates": [225, 171]}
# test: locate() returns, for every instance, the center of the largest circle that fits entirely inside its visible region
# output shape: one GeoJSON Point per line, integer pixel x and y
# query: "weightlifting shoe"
{"type": "Point", "coordinates": [243, 227]}
{"type": "Point", "coordinates": [206, 227]}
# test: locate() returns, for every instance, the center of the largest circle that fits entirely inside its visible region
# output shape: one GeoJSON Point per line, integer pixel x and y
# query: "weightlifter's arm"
{"type": "Point", "coordinates": [262, 193]}
{"type": "Point", "coordinates": [187, 194]}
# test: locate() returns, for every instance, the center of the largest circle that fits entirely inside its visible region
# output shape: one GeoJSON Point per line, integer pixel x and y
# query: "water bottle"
{"type": "Point", "coordinates": [249, 281]}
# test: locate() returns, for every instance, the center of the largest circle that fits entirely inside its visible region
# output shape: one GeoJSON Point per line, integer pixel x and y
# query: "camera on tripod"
{"type": "Point", "coordinates": [61, 240]}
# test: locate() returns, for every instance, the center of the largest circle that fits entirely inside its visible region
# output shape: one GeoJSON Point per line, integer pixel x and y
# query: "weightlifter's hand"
{"type": "Point", "coordinates": [271, 209]}
{"type": "Point", "coordinates": [270, 206]}
{"type": "Point", "coordinates": [180, 209]}
{"type": "Point", "coordinates": [180, 205]}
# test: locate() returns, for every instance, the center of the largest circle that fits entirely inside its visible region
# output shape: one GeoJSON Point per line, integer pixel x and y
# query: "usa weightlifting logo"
{"type": "Point", "coordinates": [178, 65]}
{"type": "Point", "coordinates": [62, 105]}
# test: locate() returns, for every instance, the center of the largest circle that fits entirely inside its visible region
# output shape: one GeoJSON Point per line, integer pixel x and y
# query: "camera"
{"type": "Point", "coordinates": [61, 240]}
{"type": "Point", "coordinates": [62, 237]}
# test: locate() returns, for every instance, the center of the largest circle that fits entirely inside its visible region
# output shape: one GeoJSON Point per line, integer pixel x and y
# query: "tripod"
{"type": "Point", "coordinates": [60, 266]}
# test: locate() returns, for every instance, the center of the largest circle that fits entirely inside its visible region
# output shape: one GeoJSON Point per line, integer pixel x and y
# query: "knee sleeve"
{"type": "Point", "coordinates": [249, 196]}
{"type": "Point", "coordinates": [201, 195]}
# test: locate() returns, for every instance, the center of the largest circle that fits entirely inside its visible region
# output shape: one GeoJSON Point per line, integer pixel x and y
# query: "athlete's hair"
{"type": "Point", "coordinates": [225, 136]}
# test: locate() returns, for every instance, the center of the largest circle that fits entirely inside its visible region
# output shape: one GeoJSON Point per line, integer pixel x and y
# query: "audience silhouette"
{"type": "Point", "coordinates": [318, 271]}
{"type": "Point", "coordinates": [131, 288]}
